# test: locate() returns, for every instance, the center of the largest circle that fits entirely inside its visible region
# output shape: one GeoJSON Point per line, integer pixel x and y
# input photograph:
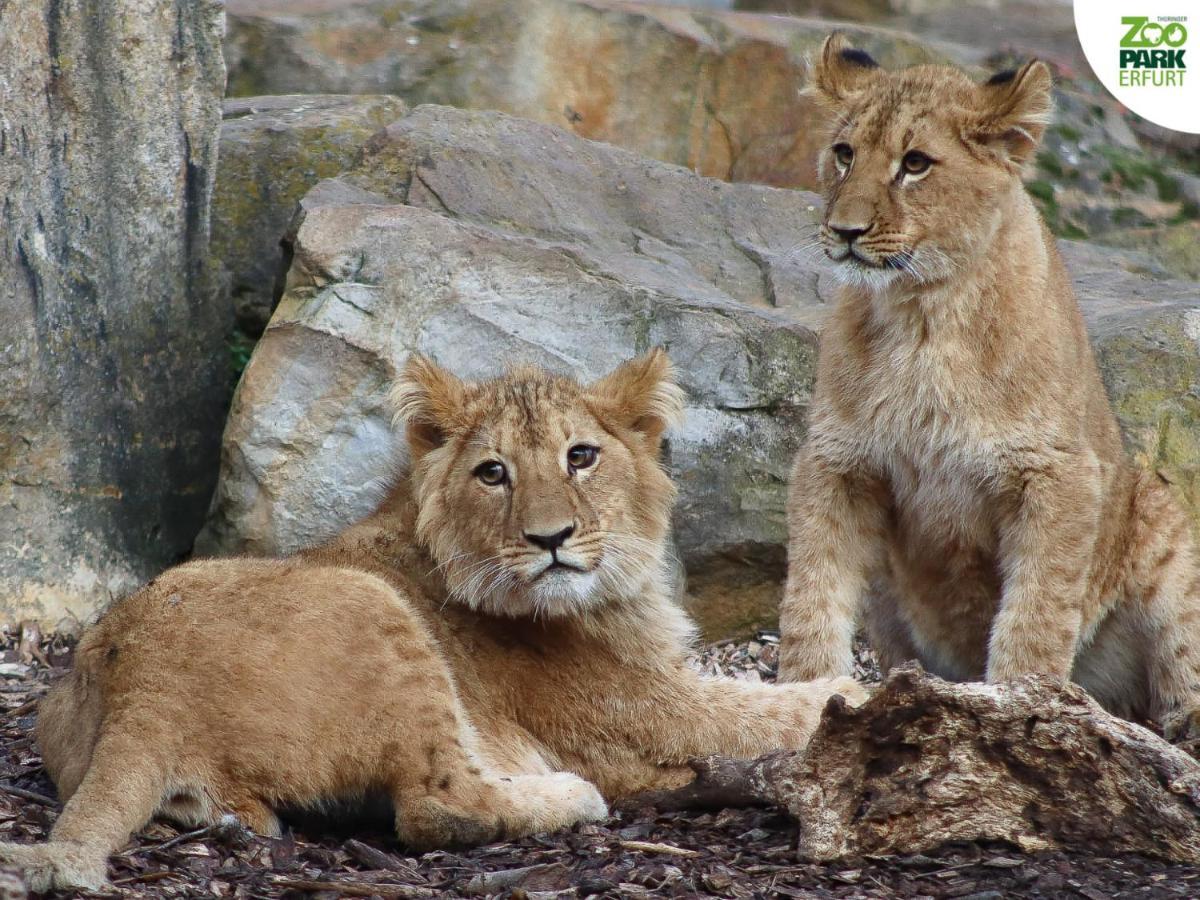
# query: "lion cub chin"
{"type": "Point", "coordinates": [963, 469]}
{"type": "Point", "coordinates": [494, 648]}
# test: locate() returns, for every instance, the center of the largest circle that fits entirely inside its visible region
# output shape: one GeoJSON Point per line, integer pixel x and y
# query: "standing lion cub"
{"type": "Point", "coordinates": [494, 649]}
{"type": "Point", "coordinates": [963, 469]}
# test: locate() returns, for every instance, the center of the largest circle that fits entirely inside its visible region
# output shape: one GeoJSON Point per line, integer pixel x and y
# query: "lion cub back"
{"type": "Point", "coordinates": [226, 646]}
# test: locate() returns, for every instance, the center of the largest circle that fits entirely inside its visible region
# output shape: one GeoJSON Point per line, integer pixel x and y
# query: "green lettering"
{"type": "Point", "coordinates": [1131, 38]}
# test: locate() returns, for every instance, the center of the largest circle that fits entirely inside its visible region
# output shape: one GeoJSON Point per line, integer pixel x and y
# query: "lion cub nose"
{"type": "Point", "coordinates": [849, 233]}
{"type": "Point", "coordinates": [550, 541]}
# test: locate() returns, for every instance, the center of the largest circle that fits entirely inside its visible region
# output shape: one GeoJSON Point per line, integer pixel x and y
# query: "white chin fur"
{"type": "Point", "coordinates": [554, 593]}
{"type": "Point", "coordinates": [563, 592]}
{"type": "Point", "coordinates": [923, 265]}
{"type": "Point", "coordinates": [872, 279]}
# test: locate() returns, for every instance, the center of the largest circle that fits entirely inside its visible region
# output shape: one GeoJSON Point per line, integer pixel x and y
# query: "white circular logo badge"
{"type": "Point", "coordinates": [1143, 53]}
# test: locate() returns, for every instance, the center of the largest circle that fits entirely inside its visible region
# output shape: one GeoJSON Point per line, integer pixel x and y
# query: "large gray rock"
{"type": "Point", "coordinates": [481, 239]}
{"type": "Point", "coordinates": [712, 90]}
{"type": "Point", "coordinates": [719, 91]}
{"type": "Point", "coordinates": [112, 370]}
{"type": "Point", "coordinates": [273, 149]}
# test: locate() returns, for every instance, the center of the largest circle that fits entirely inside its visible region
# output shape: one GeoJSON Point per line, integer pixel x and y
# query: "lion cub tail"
{"type": "Point", "coordinates": [68, 725]}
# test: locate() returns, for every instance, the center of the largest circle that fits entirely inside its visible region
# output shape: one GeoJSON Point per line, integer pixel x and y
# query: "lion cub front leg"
{"type": "Point", "coordinates": [470, 805]}
{"type": "Point", "coordinates": [702, 716]}
{"type": "Point", "coordinates": [1046, 547]}
{"type": "Point", "coordinates": [456, 797]}
{"type": "Point", "coordinates": [836, 526]}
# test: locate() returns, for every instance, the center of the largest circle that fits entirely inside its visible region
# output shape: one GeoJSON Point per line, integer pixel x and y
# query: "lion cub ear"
{"type": "Point", "coordinates": [840, 72]}
{"type": "Point", "coordinates": [642, 395]}
{"type": "Point", "coordinates": [1015, 108]}
{"type": "Point", "coordinates": [429, 400]}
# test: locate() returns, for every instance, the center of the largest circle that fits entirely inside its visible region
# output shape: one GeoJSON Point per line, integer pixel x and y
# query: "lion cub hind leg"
{"type": "Point", "coordinates": [58, 866]}
{"type": "Point", "coordinates": [890, 636]}
{"type": "Point", "coordinates": [1165, 590]}
{"type": "Point", "coordinates": [194, 806]}
{"type": "Point", "coordinates": [550, 802]}
{"type": "Point", "coordinates": [124, 786]}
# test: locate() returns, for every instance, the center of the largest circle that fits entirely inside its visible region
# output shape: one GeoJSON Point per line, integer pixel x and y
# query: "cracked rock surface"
{"type": "Point", "coordinates": [481, 240]}
{"type": "Point", "coordinates": [112, 382]}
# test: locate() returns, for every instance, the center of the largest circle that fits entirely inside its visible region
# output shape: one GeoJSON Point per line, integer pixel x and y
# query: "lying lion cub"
{"type": "Point", "coordinates": [494, 648]}
{"type": "Point", "coordinates": [963, 468]}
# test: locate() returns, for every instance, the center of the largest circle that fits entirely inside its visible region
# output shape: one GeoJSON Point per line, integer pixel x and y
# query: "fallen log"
{"type": "Point", "coordinates": [925, 762]}
{"type": "Point", "coordinates": [720, 783]}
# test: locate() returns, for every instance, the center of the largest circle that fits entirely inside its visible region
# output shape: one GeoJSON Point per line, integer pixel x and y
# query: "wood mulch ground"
{"type": "Point", "coordinates": [734, 853]}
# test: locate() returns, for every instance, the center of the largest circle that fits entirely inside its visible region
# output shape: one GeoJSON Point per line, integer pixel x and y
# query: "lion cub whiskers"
{"type": "Point", "coordinates": [533, 533]}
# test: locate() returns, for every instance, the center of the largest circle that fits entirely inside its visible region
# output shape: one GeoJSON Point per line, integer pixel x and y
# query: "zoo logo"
{"type": "Point", "coordinates": [1145, 61]}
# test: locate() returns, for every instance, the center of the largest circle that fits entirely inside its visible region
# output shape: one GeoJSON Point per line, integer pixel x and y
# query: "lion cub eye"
{"type": "Point", "coordinates": [491, 473]}
{"type": "Point", "coordinates": [581, 456]}
{"type": "Point", "coordinates": [915, 163]}
{"type": "Point", "coordinates": [844, 154]}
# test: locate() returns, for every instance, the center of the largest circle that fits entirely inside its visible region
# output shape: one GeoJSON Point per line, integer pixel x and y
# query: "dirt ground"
{"type": "Point", "coordinates": [733, 853]}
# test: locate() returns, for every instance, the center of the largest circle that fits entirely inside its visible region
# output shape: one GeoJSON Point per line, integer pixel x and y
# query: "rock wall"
{"type": "Point", "coordinates": [481, 239]}
{"type": "Point", "coordinates": [473, 236]}
{"type": "Point", "coordinates": [273, 149]}
{"type": "Point", "coordinates": [717, 91]}
{"type": "Point", "coordinates": [713, 91]}
{"type": "Point", "coordinates": [112, 364]}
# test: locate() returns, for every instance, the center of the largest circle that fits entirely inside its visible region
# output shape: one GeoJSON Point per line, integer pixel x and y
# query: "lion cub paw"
{"type": "Point", "coordinates": [558, 800]}
{"type": "Point", "coordinates": [855, 692]}
{"type": "Point", "coordinates": [58, 866]}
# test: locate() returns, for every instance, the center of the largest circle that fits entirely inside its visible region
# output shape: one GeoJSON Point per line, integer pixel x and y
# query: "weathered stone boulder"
{"type": "Point", "coordinates": [715, 91]}
{"type": "Point", "coordinates": [112, 372]}
{"type": "Point", "coordinates": [273, 149]}
{"type": "Point", "coordinates": [1147, 338]}
{"type": "Point", "coordinates": [482, 239]}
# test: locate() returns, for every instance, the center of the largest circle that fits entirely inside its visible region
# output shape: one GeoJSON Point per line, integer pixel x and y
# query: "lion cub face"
{"type": "Point", "coordinates": [538, 496]}
{"type": "Point", "coordinates": [919, 162]}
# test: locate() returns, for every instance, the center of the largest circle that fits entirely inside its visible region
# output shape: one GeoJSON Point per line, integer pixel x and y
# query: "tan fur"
{"type": "Point", "coordinates": [963, 468]}
{"type": "Point", "coordinates": [425, 653]}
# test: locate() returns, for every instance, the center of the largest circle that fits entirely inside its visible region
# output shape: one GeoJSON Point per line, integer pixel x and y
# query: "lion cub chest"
{"type": "Point", "coordinates": [921, 422]}
{"type": "Point", "coordinates": [922, 431]}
